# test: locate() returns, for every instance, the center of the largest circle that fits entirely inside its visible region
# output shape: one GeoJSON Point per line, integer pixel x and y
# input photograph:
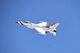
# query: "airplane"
{"type": "Point", "coordinates": [42, 27]}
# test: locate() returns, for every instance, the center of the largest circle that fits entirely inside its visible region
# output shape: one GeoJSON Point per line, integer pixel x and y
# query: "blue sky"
{"type": "Point", "coordinates": [19, 39]}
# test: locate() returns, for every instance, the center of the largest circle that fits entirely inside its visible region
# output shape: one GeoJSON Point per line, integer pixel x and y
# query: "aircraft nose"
{"type": "Point", "coordinates": [17, 22]}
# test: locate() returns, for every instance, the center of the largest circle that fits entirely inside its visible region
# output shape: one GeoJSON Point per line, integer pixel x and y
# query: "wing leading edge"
{"type": "Point", "coordinates": [42, 24]}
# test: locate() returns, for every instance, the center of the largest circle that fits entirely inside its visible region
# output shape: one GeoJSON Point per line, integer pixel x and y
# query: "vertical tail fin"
{"type": "Point", "coordinates": [55, 25]}
{"type": "Point", "coordinates": [53, 28]}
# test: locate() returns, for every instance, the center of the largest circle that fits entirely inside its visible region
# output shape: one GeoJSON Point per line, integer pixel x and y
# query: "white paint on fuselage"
{"type": "Point", "coordinates": [33, 26]}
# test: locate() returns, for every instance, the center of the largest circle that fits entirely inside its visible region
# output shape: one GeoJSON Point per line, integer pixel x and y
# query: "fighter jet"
{"type": "Point", "coordinates": [41, 27]}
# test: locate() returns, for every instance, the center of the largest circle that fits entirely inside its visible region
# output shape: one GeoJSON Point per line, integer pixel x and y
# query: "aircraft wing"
{"type": "Point", "coordinates": [40, 30]}
{"type": "Point", "coordinates": [42, 24]}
